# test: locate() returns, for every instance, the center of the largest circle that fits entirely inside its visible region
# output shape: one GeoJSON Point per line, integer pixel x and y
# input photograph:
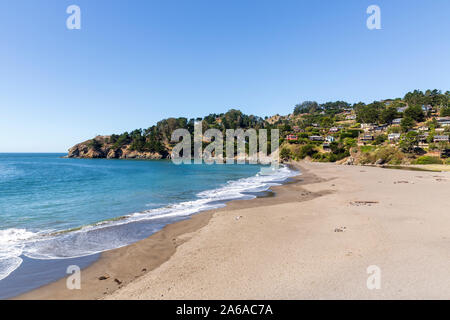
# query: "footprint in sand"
{"type": "Point", "coordinates": [363, 203]}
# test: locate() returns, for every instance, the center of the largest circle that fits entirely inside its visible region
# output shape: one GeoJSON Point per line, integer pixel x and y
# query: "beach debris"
{"type": "Point", "coordinates": [363, 203]}
{"type": "Point", "coordinates": [237, 218]}
{"type": "Point", "coordinates": [104, 277]}
{"type": "Point", "coordinates": [402, 181]}
{"type": "Point", "coordinates": [144, 270]}
{"type": "Point", "coordinates": [118, 281]}
{"type": "Point", "coordinates": [340, 229]}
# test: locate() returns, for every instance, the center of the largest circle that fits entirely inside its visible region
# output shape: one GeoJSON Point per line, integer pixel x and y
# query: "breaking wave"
{"type": "Point", "coordinates": [111, 234]}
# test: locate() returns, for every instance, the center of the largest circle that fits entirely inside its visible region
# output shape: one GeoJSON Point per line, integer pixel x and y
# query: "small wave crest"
{"type": "Point", "coordinates": [116, 233]}
{"type": "Point", "coordinates": [11, 248]}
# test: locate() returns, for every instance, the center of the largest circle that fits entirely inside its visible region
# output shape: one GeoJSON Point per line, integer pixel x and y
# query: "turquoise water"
{"type": "Point", "coordinates": [56, 208]}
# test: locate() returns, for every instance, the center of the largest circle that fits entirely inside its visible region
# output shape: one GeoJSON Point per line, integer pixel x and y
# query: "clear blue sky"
{"type": "Point", "coordinates": [136, 62]}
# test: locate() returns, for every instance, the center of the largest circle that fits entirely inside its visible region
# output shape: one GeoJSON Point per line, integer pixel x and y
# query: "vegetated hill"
{"type": "Point", "coordinates": [331, 131]}
{"type": "Point", "coordinates": [154, 142]}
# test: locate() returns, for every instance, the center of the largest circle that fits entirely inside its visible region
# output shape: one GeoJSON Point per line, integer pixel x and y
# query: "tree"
{"type": "Point", "coordinates": [368, 113]}
{"type": "Point", "coordinates": [380, 139]}
{"type": "Point", "coordinates": [415, 112]}
{"type": "Point", "coordinates": [285, 154]}
{"type": "Point", "coordinates": [445, 112]}
{"type": "Point", "coordinates": [333, 108]}
{"type": "Point", "coordinates": [388, 115]}
{"type": "Point", "coordinates": [307, 150]}
{"type": "Point", "coordinates": [414, 98]}
{"type": "Point", "coordinates": [407, 123]}
{"type": "Point", "coordinates": [409, 141]}
{"type": "Point", "coordinates": [306, 107]}
{"type": "Point", "coordinates": [350, 143]}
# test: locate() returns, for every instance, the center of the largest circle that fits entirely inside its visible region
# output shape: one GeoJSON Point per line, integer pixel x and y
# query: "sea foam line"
{"type": "Point", "coordinates": [105, 235]}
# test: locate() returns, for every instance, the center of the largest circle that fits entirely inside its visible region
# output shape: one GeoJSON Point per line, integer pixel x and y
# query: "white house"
{"type": "Point", "coordinates": [443, 138]}
{"type": "Point", "coordinates": [393, 136]}
{"type": "Point", "coordinates": [397, 121]}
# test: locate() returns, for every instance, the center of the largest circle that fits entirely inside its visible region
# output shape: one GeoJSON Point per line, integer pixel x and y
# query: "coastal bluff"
{"type": "Point", "coordinates": [103, 147]}
{"type": "Point", "coordinates": [155, 141]}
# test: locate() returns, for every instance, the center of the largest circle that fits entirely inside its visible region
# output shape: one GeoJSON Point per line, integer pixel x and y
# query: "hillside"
{"type": "Point", "coordinates": [154, 142]}
{"type": "Point", "coordinates": [414, 129]}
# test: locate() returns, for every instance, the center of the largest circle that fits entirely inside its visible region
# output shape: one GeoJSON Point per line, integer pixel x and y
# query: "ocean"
{"type": "Point", "coordinates": [53, 208]}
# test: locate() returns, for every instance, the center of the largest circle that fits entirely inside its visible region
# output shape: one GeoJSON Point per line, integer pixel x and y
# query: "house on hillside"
{"type": "Point", "coordinates": [367, 127]}
{"type": "Point", "coordinates": [443, 138]}
{"type": "Point", "coordinates": [380, 128]}
{"type": "Point", "coordinates": [316, 138]}
{"type": "Point", "coordinates": [394, 136]}
{"type": "Point", "coordinates": [366, 138]}
{"type": "Point", "coordinates": [397, 121]}
{"type": "Point", "coordinates": [330, 139]}
{"type": "Point", "coordinates": [423, 139]}
{"type": "Point", "coordinates": [401, 109]}
{"type": "Point", "coordinates": [350, 117]}
{"type": "Point", "coordinates": [443, 121]}
{"type": "Point", "coordinates": [291, 137]}
{"type": "Point", "coordinates": [334, 130]}
{"type": "Point", "coordinates": [296, 128]}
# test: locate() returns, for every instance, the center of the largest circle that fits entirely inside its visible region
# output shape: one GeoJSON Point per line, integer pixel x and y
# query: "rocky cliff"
{"type": "Point", "coordinates": [101, 147]}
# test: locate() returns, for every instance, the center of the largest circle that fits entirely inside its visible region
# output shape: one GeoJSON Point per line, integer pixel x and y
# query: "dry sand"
{"type": "Point", "coordinates": [314, 240]}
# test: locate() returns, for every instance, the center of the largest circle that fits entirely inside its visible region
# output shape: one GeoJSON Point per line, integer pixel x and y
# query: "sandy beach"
{"type": "Point", "coordinates": [314, 239]}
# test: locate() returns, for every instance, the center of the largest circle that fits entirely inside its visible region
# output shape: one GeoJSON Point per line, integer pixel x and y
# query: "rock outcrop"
{"type": "Point", "coordinates": [100, 147]}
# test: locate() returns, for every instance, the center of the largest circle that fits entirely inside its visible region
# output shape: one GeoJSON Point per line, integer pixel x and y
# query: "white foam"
{"type": "Point", "coordinates": [8, 265]}
{"type": "Point", "coordinates": [11, 248]}
{"type": "Point", "coordinates": [101, 237]}
{"type": "Point", "coordinates": [13, 235]}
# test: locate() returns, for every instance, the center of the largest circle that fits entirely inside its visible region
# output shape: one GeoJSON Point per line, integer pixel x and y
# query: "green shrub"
{"type": "Point", "coordinates": [428, 160]}
{"type": "Point", "coordinates": [94, 144]}
{"type": "Point", "coordinates": [380, 139]}
{"type": "Point", "coordinates": [366, 149]}
{"type": "Point", "coordinates": [304, 151]}
{"type": "Point", "coordinates": [285, 153]}
{"type": "Point", "coordinates": [386, 154]}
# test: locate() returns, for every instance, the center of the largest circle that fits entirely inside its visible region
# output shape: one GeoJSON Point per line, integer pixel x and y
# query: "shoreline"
{"type": "Point", "coordinates": [150, 252]}
{"type": "Point", "coordinates": [315, 239]}
{"type": "Point", "coordinates": [355, 218]}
